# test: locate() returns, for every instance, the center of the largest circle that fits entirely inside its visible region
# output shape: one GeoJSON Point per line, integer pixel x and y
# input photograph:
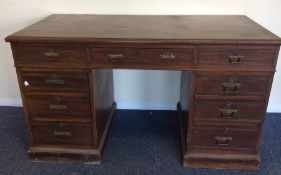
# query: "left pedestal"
{"type": "Point", "coordinates": [68, 112]}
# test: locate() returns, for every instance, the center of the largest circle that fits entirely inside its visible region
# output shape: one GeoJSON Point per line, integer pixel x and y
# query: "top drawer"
{"type": "Point", "coordinates": [164, 57]}
{"type": "Point", "coordinates": [49, 55]}
{"type": "Point", "coordinates": [235, 57]}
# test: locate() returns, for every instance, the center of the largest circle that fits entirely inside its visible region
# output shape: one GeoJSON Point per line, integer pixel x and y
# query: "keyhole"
{"type": "Point", "coordinates": [228, 104]}
{"type": "Point", "coordinates": [232, 79]}
{"type": "Point", "coordinates": [225, 130]}
{"type": "Point", "coordinates": [141, 53]}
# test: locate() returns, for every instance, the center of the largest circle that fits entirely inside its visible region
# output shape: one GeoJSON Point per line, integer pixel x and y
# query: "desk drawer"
{"type": "Point", "coordinates": [54, 81]}
{"type": "Point", "coordinates": [49, 55]}
{"type": "Point", "coordinates": [62, 134]}
{"type": "Point", "coordinates": [232, 84]}
{"type": "Point", "coordinates": [179, 57]}
{"type": "Point", "coordinates": [229, 110]}
{"type": "Point", "coordinates": [114, 56]}
{"type": "Point", "coordinates": [237, 56]}
{"type": "Point", "coordinates": [59, 107]}
{"type": "Point", "coordinates": [224, 138]}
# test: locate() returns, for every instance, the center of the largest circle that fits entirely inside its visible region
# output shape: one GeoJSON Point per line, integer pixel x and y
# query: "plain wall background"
{"type": "Point", "coordinates": [134, 89]}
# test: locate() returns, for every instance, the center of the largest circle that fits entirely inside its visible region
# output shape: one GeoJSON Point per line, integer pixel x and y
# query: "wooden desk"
{"type": "Point", "coordinates": [64, 65]}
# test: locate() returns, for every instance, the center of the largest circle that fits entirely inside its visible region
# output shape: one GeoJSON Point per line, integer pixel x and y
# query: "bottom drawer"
{"type": "Point", "coordinates": [62, 134]}
{"type": "Point", "coordinates": [224, 138]}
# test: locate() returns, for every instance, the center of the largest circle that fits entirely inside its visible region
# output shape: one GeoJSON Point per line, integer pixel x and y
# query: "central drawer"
{"type": "Point", "coordinates": [59, 107]}
{"type": "Point", "coordinates": [178, 57]}
{"type": "Point", "coordinates": [62, 134]}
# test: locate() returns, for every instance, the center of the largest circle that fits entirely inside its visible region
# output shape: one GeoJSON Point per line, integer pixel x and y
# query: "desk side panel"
{"type": "Point", "coordinates": [102, 83]}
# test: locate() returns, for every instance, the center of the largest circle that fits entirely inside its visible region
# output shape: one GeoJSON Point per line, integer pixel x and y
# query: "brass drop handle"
{"type": "Point", "coordinates": [223, 141]}
{"type": "Point", "coordinates": [62, 135]}
{"type": "Point", "coordinates": [51, 54]}
{"type": "Point", "coordinates": [115, 58]}
{"type": "Point", "coordinates": [235, 58]}
{"type": "Point", "coordinates": [228, 113]}
{"type": "Point", "coordinates": [58, 107]}
{"type": "Point", "coordinates": [167, 57]}
{"type": "Point", "coordinates": [54, 82]}
{"type": "Point", "coordinates": [231, 87]}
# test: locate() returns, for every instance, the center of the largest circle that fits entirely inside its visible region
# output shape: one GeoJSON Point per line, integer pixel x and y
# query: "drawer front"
{"type": "Point", "coordinates": [49, 56]}
{"type": "Point", "coordinates": [224, 138]}
{"type": "Point", "coordinates": [178, 58]}
{"type": "Point", "coordinates": [143, 57]}
{"type": "Point", "coordinates": [62, 134]}
{"type": "Point", "coordinates": [231, 84]}
{"type": "Point", "coordinates": [229, 110]}
{"type": "Point", "coordinates": [49, 107]}
{"type": "Point", "coordinates": [114, 56]}
{"type": "Point", "coordinates": [237, 56]}
{"type": "Point", "coordinates": [54, 81]}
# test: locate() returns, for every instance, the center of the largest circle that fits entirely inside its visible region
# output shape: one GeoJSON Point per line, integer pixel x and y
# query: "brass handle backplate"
{"type": "Point", "coordinates": [58, 107]}
{"type": "Point", "coordinates": [223, 141]}
{"type": "Point", "coordinates": [55, 82]}
{"type": "Point", "coordinates": [62, 133]}
{"type": "Point", "coordinates": [115, 58]}
{"type": "Point", "coordinates": [51, 54]}
{"type": "Point", "coordinates": [62, 136]}
{"type": "Point", "coordinates": [167, 57]}
{"type": "Point", "coordinates": [231, 87]}
{"type": "Point", "coordinates": [235, 58]}
{"type": "Point", "coordinates": [228, 113]}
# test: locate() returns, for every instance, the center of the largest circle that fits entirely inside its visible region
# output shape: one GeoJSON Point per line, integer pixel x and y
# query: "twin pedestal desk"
{"type": "Point", "coordinates": [64, 66]}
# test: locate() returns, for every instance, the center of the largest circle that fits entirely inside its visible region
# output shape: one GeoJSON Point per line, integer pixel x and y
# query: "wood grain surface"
{"type": "Point", "coordinates": [135, 28]}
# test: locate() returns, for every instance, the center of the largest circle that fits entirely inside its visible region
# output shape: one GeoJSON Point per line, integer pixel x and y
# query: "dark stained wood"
{"type": "Point", "coordinates": [223, 138]}
{"type": "Point", "coordinates": [216, 83]}
{"type": "Point", "coordinates": [103, 98]}
{"type": "Point", "coordinates": [72, 153]}
{"type": "Point", "coordinates": [249, 57]}
{"type": "Point", "coordinates": [50, 55]}
{"type": "Point", "coordinates": [59, 108]}
{"type": "Point", "coordinates": [143, 56]}
{"type": "Point", "coordinates": [229, 110]}
{"type": "Point", "coordinates": [122, 28]}
{"type": "Point", "coordinates": [226, 161]}
{"type": "Point", "coordinates": [58, 134]}
{"type": "Point", "coordinates": [182, 120]}
{"type": "Point", "coordinates": [66, 82]}
{"type": "Point", "coordinates": [184, 107]}
{"type": "Point", "coordinates": [207, 122]}
{"type": "Point", "coordinates": [26, 116]}
{"type": "Point", "coordinates": [54, 81]}
{"type": "Point", "coordinates": [64, 154]}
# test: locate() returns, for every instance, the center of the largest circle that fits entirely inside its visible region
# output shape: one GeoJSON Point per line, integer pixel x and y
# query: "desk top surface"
{"type": "Point", "coordinates": [198, 29]}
